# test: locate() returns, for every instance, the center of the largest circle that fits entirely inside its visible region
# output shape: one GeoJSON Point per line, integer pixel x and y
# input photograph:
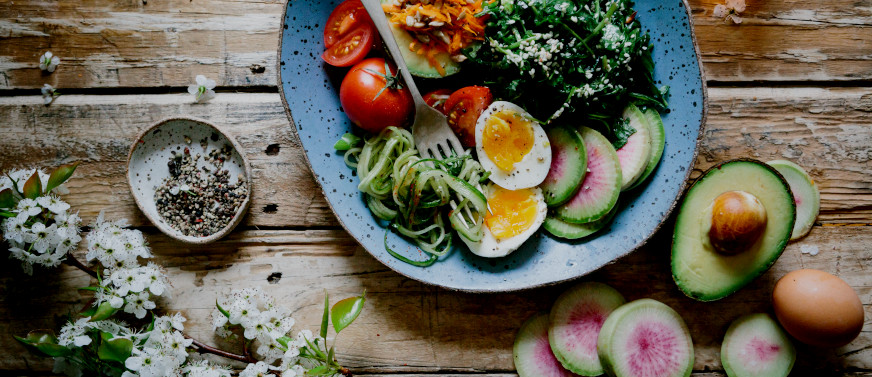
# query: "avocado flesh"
{"type": "Point", "coordinates": [418, 64]}
{"type": "Point", "coordinates": [701, 272]}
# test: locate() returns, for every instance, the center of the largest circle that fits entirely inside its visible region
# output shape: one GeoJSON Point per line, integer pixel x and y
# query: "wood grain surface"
{"type": "Point", "coordinates": [794, 81]}
{"type": "Point", "coordinates": [131, 43]}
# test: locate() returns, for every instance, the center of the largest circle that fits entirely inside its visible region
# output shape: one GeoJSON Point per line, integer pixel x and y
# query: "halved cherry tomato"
{"type": "Point", "coordinates": [373, 100]}
{"type": "Point", "coordinates": [436, 99]}
{"type": "Point", "coordinates": [351, 49]}
{"type": "Point", "coordinates": [463, 108]}
{"type": "Point", "coordinates": [346, 17]}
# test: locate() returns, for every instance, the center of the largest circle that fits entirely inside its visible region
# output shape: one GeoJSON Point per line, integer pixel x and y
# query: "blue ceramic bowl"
{"type": "Point", "coordinates": [309, 92]}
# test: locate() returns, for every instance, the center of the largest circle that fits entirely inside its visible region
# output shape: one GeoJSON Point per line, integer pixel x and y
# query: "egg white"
{"type": "Point", "coordinates": [490, 247]}
{"type": "Point", "coordinates": [532, 169]}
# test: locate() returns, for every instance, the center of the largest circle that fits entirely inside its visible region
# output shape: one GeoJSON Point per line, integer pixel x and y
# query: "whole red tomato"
{"type": "Point", "coordinates": [374, 100]}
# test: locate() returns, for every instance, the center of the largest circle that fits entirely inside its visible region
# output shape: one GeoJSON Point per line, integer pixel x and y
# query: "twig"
{"type": "Point", "coordinates": [204, 348]}
{"type": "Point", "coordinates": [77, 264]}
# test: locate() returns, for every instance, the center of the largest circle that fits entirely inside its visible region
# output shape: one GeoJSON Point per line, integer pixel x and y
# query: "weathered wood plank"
{"type": "Point", "coordinates": [828, 131]}
{"type": "Point", "coordinates": [409, 327]}
{"type": "Point", "coordinates": [166, 43]}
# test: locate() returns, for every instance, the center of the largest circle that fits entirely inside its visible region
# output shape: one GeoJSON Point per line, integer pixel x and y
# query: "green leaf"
{"type": "Point", "coordinates": [88, 311]}
{"type": "Point", "coordinates": [53, 350]}
{"type": "Point", "coordinates": [331, 356]}
{"type": "Point", "coordinates": [622, 131]}
{"type": "Point", "coordinates": [321, 370]}
{"type": "Point", "coordinates": [7, 214]}
{"type": "Point", "coordinates": [348, 141]}
{"type": "Point", "coordinates": [151, 325]}
{"type": "Point", "coordinates": [92, 289]}
{"type": "Point", "coordinates": [7, 198]}
{"type": "Point", "coordinates": [346, 311]}
{"type": "Point", "coordinates": [43, 343]}
{"type": "Point", "coordinates": [220, 309]}
{"type": "Point", "coordinates": [103, 311]}
{"type": "Point", "coordinates": [117, 349]}
{"type": "Point", "coordinates": [33, 186]}
{"type": "Point", "coordinates": [60, 175]}
{"type": "Point", "coordinates": [326, 315]}
{"type": "Point", "coordinates": [284, 341]}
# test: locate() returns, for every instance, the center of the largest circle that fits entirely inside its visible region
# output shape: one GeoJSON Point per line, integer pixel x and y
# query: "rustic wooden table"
{"type": "Point", "coordinates": [793, 81]}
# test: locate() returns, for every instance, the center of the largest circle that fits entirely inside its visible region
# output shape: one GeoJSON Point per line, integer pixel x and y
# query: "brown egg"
{"type": "Point", "coordinates": [738, 220]}
{"type": "Point", "coordinates": [818, 308]}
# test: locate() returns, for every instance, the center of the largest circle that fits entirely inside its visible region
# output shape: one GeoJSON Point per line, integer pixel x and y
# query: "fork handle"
{"type": "Point", "coordinates": [374, 8]}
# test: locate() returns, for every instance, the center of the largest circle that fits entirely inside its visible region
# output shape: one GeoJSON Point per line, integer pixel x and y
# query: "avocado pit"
{"type": "Point", "coordinates": [738, 221]}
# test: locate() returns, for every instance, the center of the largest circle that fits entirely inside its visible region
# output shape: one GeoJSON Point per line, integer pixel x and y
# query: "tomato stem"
{"type": "Point", "coordinates": [391, 81]}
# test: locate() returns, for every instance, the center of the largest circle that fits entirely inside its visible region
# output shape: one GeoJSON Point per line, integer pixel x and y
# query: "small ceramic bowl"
{"type": "Point", "coordinates": [147, 167]}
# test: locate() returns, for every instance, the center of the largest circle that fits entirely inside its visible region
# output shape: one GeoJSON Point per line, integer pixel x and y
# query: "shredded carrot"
{"type": "Point", "coordinates": [441, 26]}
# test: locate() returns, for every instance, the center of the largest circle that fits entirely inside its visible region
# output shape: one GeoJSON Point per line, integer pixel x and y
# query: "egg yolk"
{"type": "Point", "coordinates": [511, 212]}
{"type": "Point", "coordinates": [507, 138]}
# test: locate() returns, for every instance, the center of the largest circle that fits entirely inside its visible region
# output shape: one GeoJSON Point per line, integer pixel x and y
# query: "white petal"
{"type": "Point", "coordinates": [47, 55]}
{"type": "Point", "coordinates": [201, 80]}
{"type": "Point", "coordinates": [210, 84]}
{"type": "Point", "coordinates": [193, 89]}
{"type": "Point", "coordinates": [81, 341]}
{"type": "Point", "coordinates": [720, 11]}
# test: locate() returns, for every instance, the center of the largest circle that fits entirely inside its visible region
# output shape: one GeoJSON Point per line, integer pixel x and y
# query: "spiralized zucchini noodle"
{"type": "Point", "coordinates": [418, 196]}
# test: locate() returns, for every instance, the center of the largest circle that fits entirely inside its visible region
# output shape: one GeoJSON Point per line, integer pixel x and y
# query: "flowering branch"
{"type": "Point", "coordinates": [41, 230]}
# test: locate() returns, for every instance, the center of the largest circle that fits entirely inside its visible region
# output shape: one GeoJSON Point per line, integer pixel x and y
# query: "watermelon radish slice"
{"type": "Point", "coordinates": [756, 346]}
{"type": "Point", "coordinates": [599, 190]}
{"type": "Point", "coordinates": [532, 353]}
{"type": "Point", "coordinates": [568, 166]}
{"type": "Point", "coordinates": [645, 338]}
{"type": "Point", "coordinates": [805, 194]}
{"type": "Point", "coordinates": [576, 318]}
{"type": "Point", "coordinates": [634, 155]}
{"type": "Point", "coordinates": [571, 231]}
{"type": "Point", "coordinates": [658, 142]}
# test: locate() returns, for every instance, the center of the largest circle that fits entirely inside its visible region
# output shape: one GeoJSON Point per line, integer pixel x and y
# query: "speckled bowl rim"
{"type": "Point", "coordinates": [240, 213]}
{"type": "Point", "coordinates": [681, 189]}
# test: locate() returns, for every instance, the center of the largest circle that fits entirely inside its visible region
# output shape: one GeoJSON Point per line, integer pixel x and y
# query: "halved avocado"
{"type": "Point", "coordinates": [705, 274]}
{"type": "Point", "coordinates": [418, 64]}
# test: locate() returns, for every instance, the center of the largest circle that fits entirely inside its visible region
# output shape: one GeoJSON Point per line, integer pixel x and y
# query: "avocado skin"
{"type": "Point", "coordinates": [760, 269]}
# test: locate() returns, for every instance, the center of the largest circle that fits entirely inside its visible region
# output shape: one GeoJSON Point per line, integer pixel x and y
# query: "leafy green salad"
{"type": "Point", "coordinates": [569, 59]}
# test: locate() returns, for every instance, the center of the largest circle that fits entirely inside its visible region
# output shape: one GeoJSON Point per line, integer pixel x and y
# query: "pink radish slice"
{"type": "Point", "coordinates": [576, 319]}
{"type": "Point", "coordinates": [601, 186]}
{"type": "Point", "coordinates": [634, 155]}
{"type": "Point", "coordinates": [755, 345]}
{"type": "Point", "coordinates": [532, 353]}
{"type": "Point", "coordinates": [645, 338]}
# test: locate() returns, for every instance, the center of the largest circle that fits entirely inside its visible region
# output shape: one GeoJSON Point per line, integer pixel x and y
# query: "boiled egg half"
{"type": "Point", "coordinates": [512, 146]}
{"type": "Point", "coordinates": [513, 216]}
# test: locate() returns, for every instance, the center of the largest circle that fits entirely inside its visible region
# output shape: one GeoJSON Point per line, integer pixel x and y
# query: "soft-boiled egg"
{"type": "Point", "coordinates": [513, 216]}
{"type": "Point", "coordinates": [512, 146]}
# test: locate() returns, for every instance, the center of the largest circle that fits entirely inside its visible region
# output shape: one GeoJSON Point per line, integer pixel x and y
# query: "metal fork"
{"type": "Point", "coordinates": [433, 137]}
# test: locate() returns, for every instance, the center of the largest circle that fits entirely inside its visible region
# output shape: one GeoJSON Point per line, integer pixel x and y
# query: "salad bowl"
{"type": "Point", "coordinates": [309, 88]}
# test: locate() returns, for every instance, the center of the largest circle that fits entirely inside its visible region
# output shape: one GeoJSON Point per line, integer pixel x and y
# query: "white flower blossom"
{"type": "Point", "coordinates": [260, 369]}
{"type": "Point", "coordinates": [203, 89]}
{"type": "Point", "coordinates": [42, 231]}
{"type": "Point", "coordinates": [48, 62]}
{"type": "Point", "coordinates": [74, 333]}
{"type": "Point", "coordinates": [49, 93]}
{"type": "Point", "coordinates": [138, 304]}
{"type": "Point", "coordinates": [730, 11]}
{"type": "Point", "coordinates": [203, 368]}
